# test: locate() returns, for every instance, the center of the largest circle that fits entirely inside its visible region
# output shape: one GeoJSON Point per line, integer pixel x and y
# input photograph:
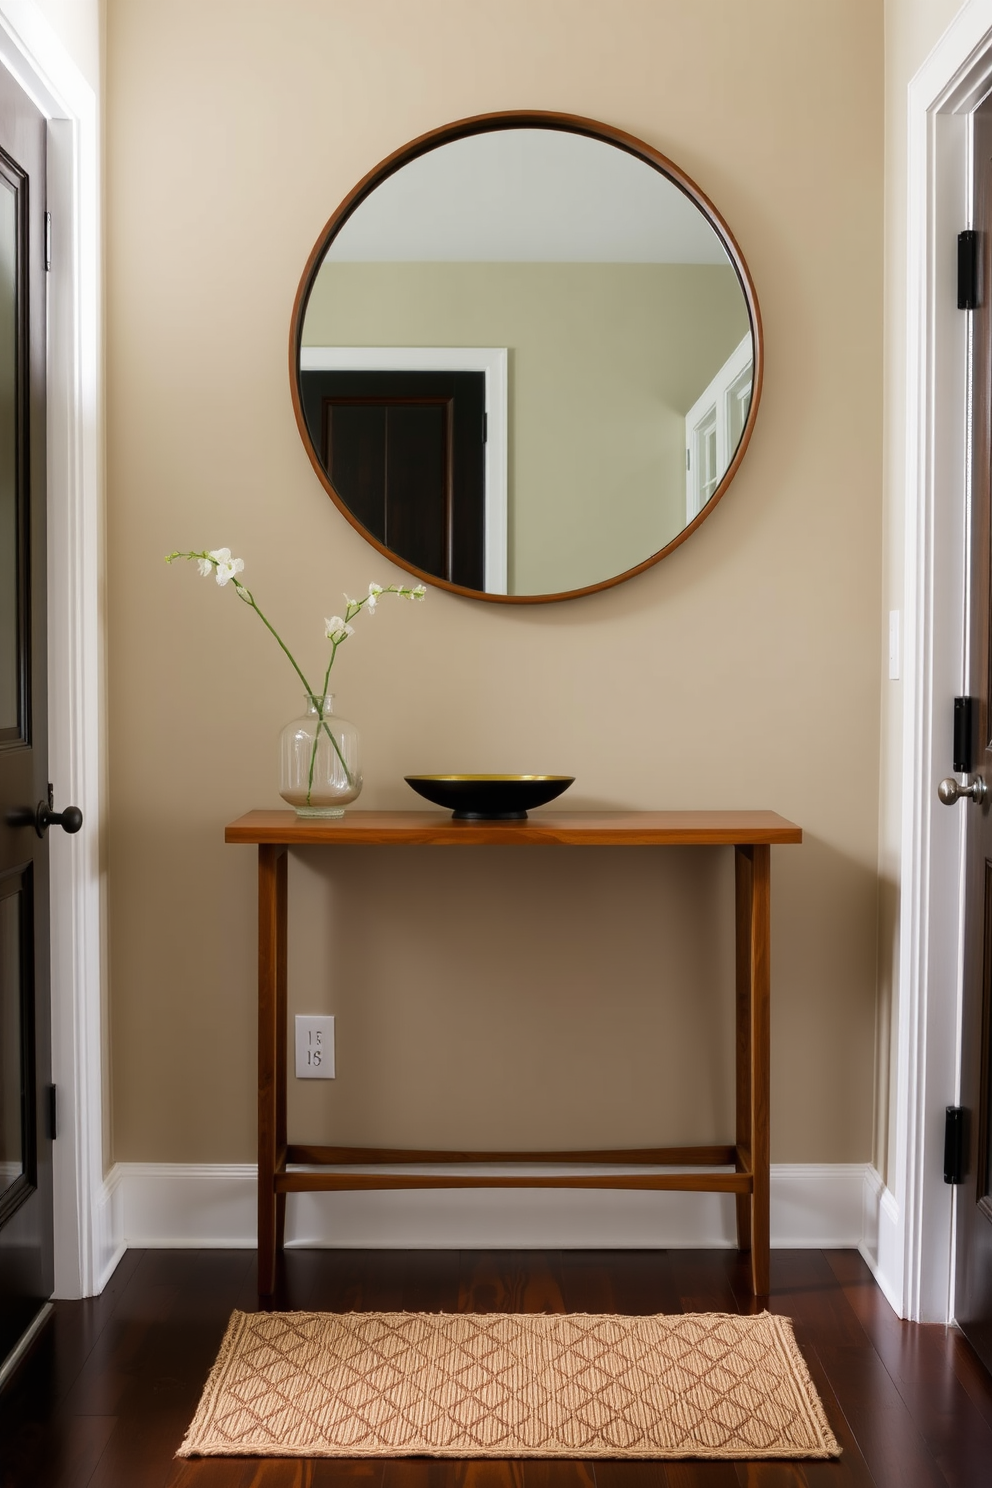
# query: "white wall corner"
{"type": "Point", "coordinates": [882, 1239]}
{"type": "Point", "coordinates": [177, 1206]}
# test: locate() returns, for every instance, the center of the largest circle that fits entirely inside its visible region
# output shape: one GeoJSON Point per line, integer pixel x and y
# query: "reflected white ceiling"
{"type": "Point", "coordinates": [528, 196]}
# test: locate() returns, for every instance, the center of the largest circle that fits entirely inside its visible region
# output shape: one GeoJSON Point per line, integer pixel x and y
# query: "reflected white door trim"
{"type": "Point", "coordinates": [30, 49]}
{"type": "Point", "coordinates": [712, 411]}
{"type": "Point", "coordinates": [935, 499]}
{"type": "Point", "coordinates": [492, 360]}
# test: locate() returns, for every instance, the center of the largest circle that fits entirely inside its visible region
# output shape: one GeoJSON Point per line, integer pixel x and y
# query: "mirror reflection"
{"type": "Point", "coordinates": [526, 362]}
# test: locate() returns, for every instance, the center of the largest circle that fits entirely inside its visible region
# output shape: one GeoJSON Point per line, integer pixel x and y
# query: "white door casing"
{"type": "Point", "coordinates": [714, 425]}
{"type": "Point", "coordinates": [917, 1266]}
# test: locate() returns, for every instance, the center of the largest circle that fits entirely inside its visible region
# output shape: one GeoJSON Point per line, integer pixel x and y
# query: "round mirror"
{"type": "Point", "coordinates": [526, 357]}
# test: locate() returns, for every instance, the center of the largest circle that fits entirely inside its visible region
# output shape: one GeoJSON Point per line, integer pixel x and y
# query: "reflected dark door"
{"type": "Point", "coordinates": [973, 1266]}
{"type": "Point", "coordinates": [26, 1234]}
{"type": "Point", "coordinates": [405, 451]}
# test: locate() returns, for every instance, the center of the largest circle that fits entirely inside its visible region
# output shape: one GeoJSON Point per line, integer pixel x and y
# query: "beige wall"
{"type": "Point", "coordinates": [493, 998]}
{"type": "Point", "coordinates": [605, 361]}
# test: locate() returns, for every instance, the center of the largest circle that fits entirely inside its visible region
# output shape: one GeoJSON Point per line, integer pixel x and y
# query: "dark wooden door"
{"type": "Point", "coordinates": [26, 1234]}
{"type": "Point", "coordinates": [973, 1265]}
{"type": "Point", "coordinates": [405, 452]}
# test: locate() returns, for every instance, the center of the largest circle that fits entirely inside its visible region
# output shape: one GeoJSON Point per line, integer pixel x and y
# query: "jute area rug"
{"type": "Point", "coordinates": [401, 1384]}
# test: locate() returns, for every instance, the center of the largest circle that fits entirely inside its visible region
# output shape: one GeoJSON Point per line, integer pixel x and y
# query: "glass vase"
{"type": "Point", "coordinates": [318, 757]}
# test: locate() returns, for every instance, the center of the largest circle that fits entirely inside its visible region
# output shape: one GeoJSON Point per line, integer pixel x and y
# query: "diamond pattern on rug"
{"type": "Point", "coordinates": [407, 1384]}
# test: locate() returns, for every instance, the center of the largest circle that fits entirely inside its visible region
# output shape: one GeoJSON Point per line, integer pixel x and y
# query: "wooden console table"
{"type": "Point", "coordinates": [750, 833]}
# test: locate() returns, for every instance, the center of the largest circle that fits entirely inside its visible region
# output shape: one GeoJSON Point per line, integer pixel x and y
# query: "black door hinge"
{"type": "Point", "coordinates": [965, 714]}
{"type": "Point", "coordinates": [968, 270]}
{"type": "Point", "coordinates": [52, 1113]}
{"type": "Point", "coordinates": [954, 1144]}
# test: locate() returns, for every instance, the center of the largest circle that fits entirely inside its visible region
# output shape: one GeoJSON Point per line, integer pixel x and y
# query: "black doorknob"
{"type": "Point", "coordinates": [70, 820]}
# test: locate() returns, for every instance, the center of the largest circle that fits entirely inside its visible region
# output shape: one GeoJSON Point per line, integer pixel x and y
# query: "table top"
{"type": "Point", "coordinates": [542, 828]}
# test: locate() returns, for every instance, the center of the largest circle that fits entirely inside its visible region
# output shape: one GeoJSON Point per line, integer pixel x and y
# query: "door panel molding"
{"type": "Point", "coordinates": [17, 882]}
{"type": "Point", "coordinates": [983, 1175]}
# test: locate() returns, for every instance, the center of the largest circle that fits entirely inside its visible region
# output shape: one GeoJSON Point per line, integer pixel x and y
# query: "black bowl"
{"type": "Point", "coordinates": [489, 797]}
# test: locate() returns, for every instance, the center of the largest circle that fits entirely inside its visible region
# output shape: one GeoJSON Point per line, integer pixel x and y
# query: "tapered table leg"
{"type": "Point", "coordinates": [742, 917]}
{"type": "Point", "coordinates": [271, 1058]}
{"type": "Point", "coordinates": [760, 981]}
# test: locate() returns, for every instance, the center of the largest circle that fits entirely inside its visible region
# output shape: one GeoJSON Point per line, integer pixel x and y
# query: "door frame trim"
{"type": "Point", "coordinates": [33, 53]}
{"type": "Point", "coordinates": [917, 1273]}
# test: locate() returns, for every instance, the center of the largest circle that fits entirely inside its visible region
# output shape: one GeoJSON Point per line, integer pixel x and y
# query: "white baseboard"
{"type": "Point", "coordinates": [176, 1206]}
{"type": "Point", "coordinates": [109, 1228]}
{"type": "Point", "coordinates": [882, 1240]}
{"type": "Point", "coordinates": [817, 1205]}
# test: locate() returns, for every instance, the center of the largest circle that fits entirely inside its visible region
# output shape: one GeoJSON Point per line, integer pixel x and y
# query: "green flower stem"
{"type": "Point", "coordinates": [354, 608]}
{"type": "Point", "coordinates": [221, 559]}
{"type": "Point", "coordinates": [320, 715]}
{"type": "Point", "coordinates": [322, 724]}
{"type": "Point", "coordinates": [249, 599]}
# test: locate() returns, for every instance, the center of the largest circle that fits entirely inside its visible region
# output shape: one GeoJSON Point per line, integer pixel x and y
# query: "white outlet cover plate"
{"type": "Point", "coordinates": [315, 1048]}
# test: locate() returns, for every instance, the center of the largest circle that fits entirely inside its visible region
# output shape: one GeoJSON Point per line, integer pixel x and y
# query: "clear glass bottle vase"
{"type": "Point", "coordinates": [319, 770]}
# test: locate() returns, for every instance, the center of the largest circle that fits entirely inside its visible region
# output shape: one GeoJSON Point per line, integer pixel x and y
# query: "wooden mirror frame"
{"type": "Point", "coordinates": [487, 124]}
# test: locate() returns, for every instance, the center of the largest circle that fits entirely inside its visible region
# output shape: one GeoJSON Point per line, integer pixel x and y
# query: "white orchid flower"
{"type": "Point", "coordinates": [375, 590]}
{"type": "Point", "coordinates": [420, 592]}
{"type": "Point", "coordinates": [205, 566]}
{"type": "Point", "coordinates": [337, 629]}
{"type": "Point", "coordinates": [227, 566]}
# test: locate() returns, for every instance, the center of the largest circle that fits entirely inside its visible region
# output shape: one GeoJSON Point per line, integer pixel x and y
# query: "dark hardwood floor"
{"type": "Point", "coordinates": [106, 1394]}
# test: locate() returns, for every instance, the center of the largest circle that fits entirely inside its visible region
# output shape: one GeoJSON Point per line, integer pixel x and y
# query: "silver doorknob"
{"type": "Point", "coordinates": [951, 790]}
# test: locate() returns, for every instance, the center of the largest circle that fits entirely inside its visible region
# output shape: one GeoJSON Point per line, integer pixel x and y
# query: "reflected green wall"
{"type": "Point", "coordinates": [604, 362]}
